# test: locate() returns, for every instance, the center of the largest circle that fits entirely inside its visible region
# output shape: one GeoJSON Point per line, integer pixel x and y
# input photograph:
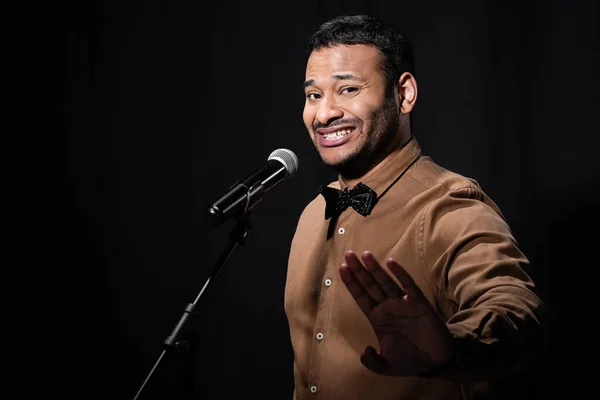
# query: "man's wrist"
{"type": "Point", "coordinates": [439, 369]}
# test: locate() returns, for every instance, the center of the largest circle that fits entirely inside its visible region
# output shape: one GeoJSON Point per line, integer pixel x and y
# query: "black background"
{"type": "Point", "coordinates": [134, 115]}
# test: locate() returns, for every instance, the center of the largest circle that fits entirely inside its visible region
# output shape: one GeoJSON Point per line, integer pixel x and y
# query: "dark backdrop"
{"type": "Point", "coordinates": [155, 108]}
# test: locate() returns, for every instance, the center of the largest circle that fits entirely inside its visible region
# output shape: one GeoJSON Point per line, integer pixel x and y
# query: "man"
{"type": "Point", "coordinates": [404, 280]}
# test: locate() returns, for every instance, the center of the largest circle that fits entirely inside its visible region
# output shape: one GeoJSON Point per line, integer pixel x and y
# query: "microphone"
{"type": "Point", "coordinates": [243, 195]}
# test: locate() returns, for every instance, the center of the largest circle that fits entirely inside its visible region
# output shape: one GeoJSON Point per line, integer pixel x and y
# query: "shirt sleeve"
{"type": "Point", "coordinates": [482, 283]}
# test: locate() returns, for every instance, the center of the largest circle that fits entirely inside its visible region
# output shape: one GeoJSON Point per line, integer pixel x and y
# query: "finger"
{"type": "Point", "coordinates": [408, 284]}
{"type": "Point", "coordinates": [364, 277]}
{"type": "Point", "coordinates": [389, 287]}
{"type": "Point", "coordinates": [362, 298]}
{"type": "Point", "coordinates": [374, 361]}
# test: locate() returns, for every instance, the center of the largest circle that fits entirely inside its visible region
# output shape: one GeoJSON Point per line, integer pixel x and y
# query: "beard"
{"type": "Point", "coordinates": [373, 145]}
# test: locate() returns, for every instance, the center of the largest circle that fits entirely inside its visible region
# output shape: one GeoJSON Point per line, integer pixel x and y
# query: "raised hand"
{"type": "Point", "coordinates": [413, 339]}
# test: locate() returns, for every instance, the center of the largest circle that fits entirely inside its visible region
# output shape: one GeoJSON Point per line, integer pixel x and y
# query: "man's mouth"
{"type": "Point", "coordinates": [337, 134]}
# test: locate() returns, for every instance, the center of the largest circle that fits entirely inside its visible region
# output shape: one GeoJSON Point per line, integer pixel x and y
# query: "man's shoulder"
{"type": "Point", "coordinates": [447, 186]}
{"type": "Point", "coordinates": [429, 174]}
{"type": "Point", "coordinates": [312, 217]}
{"type": "Point", "coordinates": [317, 205]}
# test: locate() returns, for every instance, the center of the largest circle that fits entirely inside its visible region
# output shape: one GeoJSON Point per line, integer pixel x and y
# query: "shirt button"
{"type": "Point", "coordinates": [341, 231]}
{"type": "Point", "coordinates": [313, 389]}
{"type": "Point", "coordinates": [319, 336]}
{"type": "Point", "coordinates": [327, 282]}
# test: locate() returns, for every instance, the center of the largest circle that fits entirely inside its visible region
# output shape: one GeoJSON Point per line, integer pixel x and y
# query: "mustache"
{"type": "Point", "coordinates": [337, 122]}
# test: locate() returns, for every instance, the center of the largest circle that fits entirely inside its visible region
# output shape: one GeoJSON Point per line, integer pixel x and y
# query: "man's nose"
{"type": "Point", "coordinates": [328, 111]}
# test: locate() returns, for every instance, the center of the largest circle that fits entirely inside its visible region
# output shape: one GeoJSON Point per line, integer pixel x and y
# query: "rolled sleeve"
{"type": "Point", "coordinates": [482, 280]}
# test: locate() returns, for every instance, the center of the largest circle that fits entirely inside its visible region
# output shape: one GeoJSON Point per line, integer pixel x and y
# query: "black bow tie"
{"type": "Point", "coordinates": [362, 198]}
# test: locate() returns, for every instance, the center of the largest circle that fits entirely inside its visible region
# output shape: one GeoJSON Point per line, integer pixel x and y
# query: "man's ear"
{"type": "Point", "coordinates": [407, 92]}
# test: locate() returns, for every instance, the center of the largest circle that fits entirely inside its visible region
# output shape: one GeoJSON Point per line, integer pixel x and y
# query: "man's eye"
{"type": "Point", "coordinates": [349, 90]}
{"type": "Point", "coordinates": [313, 96]}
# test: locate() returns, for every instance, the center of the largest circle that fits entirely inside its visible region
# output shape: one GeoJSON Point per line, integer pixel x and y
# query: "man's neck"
{"type": "Point", "coordinates": [351, 182]}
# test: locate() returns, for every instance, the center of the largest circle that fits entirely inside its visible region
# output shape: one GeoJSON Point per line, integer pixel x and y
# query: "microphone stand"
{"type": "Point", "coordinates": [180, 339]}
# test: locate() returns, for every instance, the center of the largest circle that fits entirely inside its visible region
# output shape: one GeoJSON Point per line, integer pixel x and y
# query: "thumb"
{"type": "Point", "coordinates": [374, 361]}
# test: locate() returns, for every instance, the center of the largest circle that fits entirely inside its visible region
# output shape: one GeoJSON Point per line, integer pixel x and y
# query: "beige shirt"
{"type": "Point", "coordinates": [454, 242]}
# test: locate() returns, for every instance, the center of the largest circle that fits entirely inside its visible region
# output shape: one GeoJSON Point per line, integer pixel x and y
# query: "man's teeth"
{"type": "Point", "coordinates": [337, 134]}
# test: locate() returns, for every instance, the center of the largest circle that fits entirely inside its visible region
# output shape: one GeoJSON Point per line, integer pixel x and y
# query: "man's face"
{"type": "Point", "coordinates": [352, 122]}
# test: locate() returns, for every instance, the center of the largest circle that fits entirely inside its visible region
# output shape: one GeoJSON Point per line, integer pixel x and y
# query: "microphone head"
{"type": "Point", "coordinates": [288, 159]}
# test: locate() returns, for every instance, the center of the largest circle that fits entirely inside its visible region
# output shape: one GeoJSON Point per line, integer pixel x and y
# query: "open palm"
{"type": "Point", "coordinates": [412, 337]}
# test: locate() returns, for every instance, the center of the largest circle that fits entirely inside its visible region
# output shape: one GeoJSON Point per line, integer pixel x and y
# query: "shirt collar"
{"type": "Point", "coordinates": [388, 171]}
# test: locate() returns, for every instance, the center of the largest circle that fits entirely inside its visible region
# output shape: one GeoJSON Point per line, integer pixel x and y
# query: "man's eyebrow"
{"type": "Point", "coordinates": [308, 83]}
{"type": "Point", "coordinates": [345, 77]}
{"type": "Point", "coordinates": [341, 77]}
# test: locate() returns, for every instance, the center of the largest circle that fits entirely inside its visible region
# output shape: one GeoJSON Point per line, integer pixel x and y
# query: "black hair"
{"type": "Point", "coordinates": [392, 43]}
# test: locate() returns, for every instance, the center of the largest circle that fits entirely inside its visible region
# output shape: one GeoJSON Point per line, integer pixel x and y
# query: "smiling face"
{"type": "Point", "coordinates": [352, 122]}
